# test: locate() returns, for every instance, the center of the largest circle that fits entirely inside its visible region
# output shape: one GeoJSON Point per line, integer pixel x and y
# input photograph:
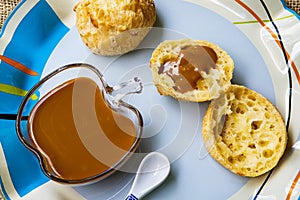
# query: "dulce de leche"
{"type": "Point", "coordinates": [185, 70]}
{"type": "Point", "coordinates": [77, 133]}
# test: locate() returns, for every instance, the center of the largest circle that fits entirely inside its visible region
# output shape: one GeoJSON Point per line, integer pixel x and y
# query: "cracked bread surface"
{"type": "Point", "coordinates": [114, 27]}
{"type": "Point", "coordinates": [244, 132]}
{"type": "Point", "coordinates": [213, 83]}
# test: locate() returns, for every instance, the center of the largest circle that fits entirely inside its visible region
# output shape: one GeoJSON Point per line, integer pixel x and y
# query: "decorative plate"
{"type": "Point", "coordinates": [262, 37]}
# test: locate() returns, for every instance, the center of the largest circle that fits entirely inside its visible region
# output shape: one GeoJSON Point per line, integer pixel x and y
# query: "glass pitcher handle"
{"type": "Point", "coordinates": [118, 92]}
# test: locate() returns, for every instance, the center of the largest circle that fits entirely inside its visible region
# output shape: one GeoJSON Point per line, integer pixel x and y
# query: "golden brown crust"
{"type": "Point", "coordinates": [210, 87]}
{"type": "Point", "coordinates": [114, 27]}
{"type": "Point", "coordinates": [244, 132]}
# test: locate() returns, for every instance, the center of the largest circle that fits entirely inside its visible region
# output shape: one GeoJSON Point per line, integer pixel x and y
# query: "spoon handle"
{"type": "Point", "coordinates": [131, 197]}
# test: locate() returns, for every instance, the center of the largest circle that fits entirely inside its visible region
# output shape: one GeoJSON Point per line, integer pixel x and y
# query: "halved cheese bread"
{"type": "Point", "coordinates": [244, 132]}
{"type": "Point", "coordinates": [191, 70]}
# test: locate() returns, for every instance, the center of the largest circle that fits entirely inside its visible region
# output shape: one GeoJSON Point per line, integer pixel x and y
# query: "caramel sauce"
{"type": "Point", "coordinates": [77, 133]}
{"type": "Point", "coordinates": [185, 69]}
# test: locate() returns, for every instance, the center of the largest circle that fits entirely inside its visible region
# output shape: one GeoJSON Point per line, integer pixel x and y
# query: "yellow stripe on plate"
{"type": "Point", "coordinates": [15, 91]}
{"type": "Point", "coordinates": [255, 21]}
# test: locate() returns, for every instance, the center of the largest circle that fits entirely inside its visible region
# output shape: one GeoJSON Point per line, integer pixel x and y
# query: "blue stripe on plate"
{"type": "Point", "coordinates": [23, 167]}
{"type": "Point", "coordinates": [32, 43]}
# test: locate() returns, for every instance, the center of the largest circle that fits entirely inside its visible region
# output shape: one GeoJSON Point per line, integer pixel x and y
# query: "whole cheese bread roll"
{"type": "Point", "coordinates": [191, 70]}
{"type": "Point", "coordinates": [114, 27]}
{"type": "Point", "coordinates": [244, 132]}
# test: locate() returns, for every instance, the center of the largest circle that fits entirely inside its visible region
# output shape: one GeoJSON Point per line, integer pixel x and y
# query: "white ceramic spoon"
{"type": "Point", "coordinates": [152, 171]}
